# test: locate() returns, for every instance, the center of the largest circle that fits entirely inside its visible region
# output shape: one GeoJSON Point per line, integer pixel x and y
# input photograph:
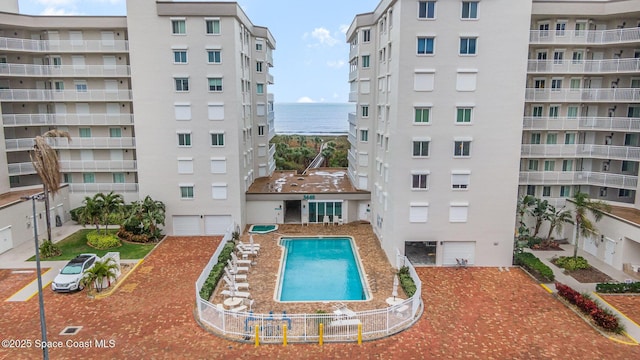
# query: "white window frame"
{"type": "Point", "coordinates": [418, 212]}
{"type": "Point", "coordinates": [187, 135]}
{"type": "Point", "coordinates": [458, 212]}
{"type": "Point", "coordinates": [187, 187]}
{"type": "Point", "coordinates": [460, 180]}
{"type": "Point", "coordinates": [179, 32]}
{"type": "Point", "coordinates": [219, 191]}
{"type": "Point", "coordinates": [179, 82]}
{"type": "Point", "coordinates": [457, 142]}
{"type": "Point", "coordinates": [422, 185]}
{"type": "Point", "coordinates": [185, 165]}
{"type": "Point", "coordinates": [218, 165]}
{"type": "Point", "coordinates": [212, 20]}
{"type": "Point", "coordinates": [217, 133]}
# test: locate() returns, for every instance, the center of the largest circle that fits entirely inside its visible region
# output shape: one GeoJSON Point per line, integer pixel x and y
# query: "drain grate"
{"type": "Point", "coordinates": [70, 330]}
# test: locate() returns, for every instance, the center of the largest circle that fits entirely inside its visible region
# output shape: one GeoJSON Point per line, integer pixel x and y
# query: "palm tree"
{"type": "Point", "coordinates": [327, 152]}
{"type": "Point", "coordinates": [539, 212]}
{"type": "Point", "coordinates": [317, 140]}
{"type": "Point", "coordinates": [45, 161]}
{"type": "Point", "coordinates": [147, 216]}
{"type": "Point", "coordinates": [557, 218]}
{"type": "Point", "coordinates": [91, 211]}
{"type": "Point", "coordinates": [101, 270]}
{"type": "Point", "coordinates": [524, 203]}
{"type": "Point", "coordinates": [109, 204]}
{"type": "Point", "coordinates": [584, 226]}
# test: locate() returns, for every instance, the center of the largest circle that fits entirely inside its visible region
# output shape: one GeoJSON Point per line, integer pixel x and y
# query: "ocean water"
{"type": "Point", "coordinates": [312, 118]}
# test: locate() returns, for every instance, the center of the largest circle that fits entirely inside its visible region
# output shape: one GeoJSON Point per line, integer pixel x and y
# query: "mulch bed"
{"type": "Point", "coordinates": [590, 275]}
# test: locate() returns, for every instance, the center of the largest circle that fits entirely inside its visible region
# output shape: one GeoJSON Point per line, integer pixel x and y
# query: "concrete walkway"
{"type": "Point", "coordinates": [631, 327]}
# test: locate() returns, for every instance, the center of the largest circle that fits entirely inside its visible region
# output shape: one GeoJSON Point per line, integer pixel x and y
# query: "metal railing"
{"type": "Point", "coordinates": [75, 143]}
{"type": "Point", "coordinates": [581, 123]}
{"type": "Point", "coordinates": [78, 166]}
{"type": "Point", "coordinates": [240, 326]}
{"type": "Point", "coordinates": [17, 44]}
{"type": "Point", "coordinates": [583, 94]}
{"type": "Point", "coordinates": [103, 187]}
{"type": "Point", "coordinates": [613, 36]}
{"type": "Point", "coordinates": [64, 95]}
{"type": "Point", "coordinates": [578, 178]}
{"type": "Point", "coordinates": [584, 66]}
{"type": "Point", "coordinates": [581, 150]}
{"type": "Point", "coordinates": [66, 119]}
{"type": "Point", "coordinates": [65, 70]}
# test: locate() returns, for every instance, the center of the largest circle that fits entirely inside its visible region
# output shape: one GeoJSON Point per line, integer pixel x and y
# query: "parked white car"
{"type": "Point", "coordinates": [70, 276]}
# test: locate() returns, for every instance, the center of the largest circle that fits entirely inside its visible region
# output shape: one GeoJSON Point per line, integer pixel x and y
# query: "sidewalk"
{"type": "Point", "coordinates": [632, 328]}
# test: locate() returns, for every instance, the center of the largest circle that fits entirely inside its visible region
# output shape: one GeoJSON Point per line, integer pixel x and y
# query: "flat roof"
{"type": "Point", "coordinates": [626, 213]}
{"type": "Point", "coordinates": [14, 196]}
{"type": "Point", "coordinates": [315, 181]}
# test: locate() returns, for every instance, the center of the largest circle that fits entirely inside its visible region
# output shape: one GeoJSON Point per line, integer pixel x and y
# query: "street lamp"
{"type": "Point", "coordinates": [43, 324]}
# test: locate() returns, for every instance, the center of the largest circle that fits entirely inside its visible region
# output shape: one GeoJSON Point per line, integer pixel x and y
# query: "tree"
{"type": "Point", "coordinates": [45, 161]}
{"type": "Point", "coordinates": [538, 211]}
{"type": "Point", "coordinates": [583, 205]}
{"type": "Point", "coordinates": [146, 216]}
{"type": "Point", "coordinates": [90, 213]}
{"type": "Point", "coordinates": [327, 152]}
{"type": "Point", "coordinates": [101, 270]}
{"type": "Point", "coordinates": [557, 218]}
{"type": "Point", "coordinates": [524, 203]}
{"type": "Point", "coordinates": [108, 204]}
{"type": "Point", "coordinates": [317, 140]}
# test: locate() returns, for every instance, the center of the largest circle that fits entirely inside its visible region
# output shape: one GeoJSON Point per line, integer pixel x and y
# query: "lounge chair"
{"type": "Point", "coordinates": [248, 246]}
{"type": "Point", "coordinates": [237, 294]}
{"type": "Point", "coordinates": [340, 221]}
{"type": "Point", "coordinates": [325, 220]}
{"type": "Point", "coordinates": [342, 311]}
{"type": "Point", "coordinates": [247, 252]}
{"type": "Point", "coordinates": [235, 269]}
{"type": "Point", "coordinates": [235, 259]}
{"type": "Point", "coordinates": [236, 276]}
{"type": "Point", "coordinates": [336, 220]}
{"type": "Point", "coordinates": [235, 285]}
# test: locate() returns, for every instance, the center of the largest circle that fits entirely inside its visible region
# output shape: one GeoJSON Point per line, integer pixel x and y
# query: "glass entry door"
{"type": "Point", "coordinates": [318, 210]}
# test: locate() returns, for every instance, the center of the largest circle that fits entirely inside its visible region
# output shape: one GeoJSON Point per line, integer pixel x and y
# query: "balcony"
{"type": "Point", "coordinates": [353, 118]}
{"type": "Point", "coordinates": [353, 96]}
{"type": "Point", "coordinates": [353, 75]}
{"type": "Point", "coordinates": [64, 70]}
{"type": "Point", "coordinates": [269, 79]}
{"type": "Point", "coordinates": [578, 178]}
{"type": "Point", "coordinates": [583, 95]}
{"type": "Point", "coordinates": [612, 66]}
{"type": "Point", "coordinates": [352, 139]}
{"type": "Point", "coordinates": [586, 37]}
{"type": "Point", "coordinates": [103, 187]}
{"type": "Point", "coordinates": [272, 151]}
{"type": "Point", "coordinates": [582, 123]}
{"type": "Point", "coordinates": [581, 151]}
{"type": "Point", "coordinates": [64, 95]}
{"type": "Point", "coordinates": [76, 46]}
{"type": "Point", "coordinates": [76, 143]}
{"type": "Point", "coordinates": [10, 120]}
{"type": "Point", "coordinates": [78, 166]}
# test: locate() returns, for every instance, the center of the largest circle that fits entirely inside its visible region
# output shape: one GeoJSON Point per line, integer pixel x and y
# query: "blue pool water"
{"type": "Point", "coordinates": [320, 269]}
{"type": "Point", "coordinates": [263, 229]}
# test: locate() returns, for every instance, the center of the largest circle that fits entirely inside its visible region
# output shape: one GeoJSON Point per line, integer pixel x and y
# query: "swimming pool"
{"type": "Point", "coordinates": [262, 229]}
{"type": "Point", "coordinates": [320, 269]}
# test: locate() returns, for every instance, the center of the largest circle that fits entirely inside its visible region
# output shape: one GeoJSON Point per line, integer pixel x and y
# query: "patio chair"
{"type": "Point", "coordinates": [237, 294]}
{"type": "Point", "coordinates": [342, 311]}
{"type": "Point", "coordinates": [235, 269]}
{"type": "Point", "coordinates": [336, 220]}
{"type": "Point", "coordinates": [462, 262]}
{"type": "Point", "coordinates": [236, 276]}
{"type": "Point", "coordinates": [340, 221]}
{"type": "Point", "coordinates": [325, 220]}
{"type": "Point", "coordinates": [235, 285]}
{"type": "Point", "coordinates": [235, 259]}
{"type": "Point", "coordinates": [246, 246]}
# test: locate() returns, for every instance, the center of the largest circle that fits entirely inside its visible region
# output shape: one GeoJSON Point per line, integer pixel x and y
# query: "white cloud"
{"type": "Point", "coordinates": [344, 28]}
{"type": "Point", "coordinates": [52, 3]}
{"type": "Point", "coordinates": [336, 64]}
{"type": "Point", "coordinates": [305, 99]}
{"type": "Point", "coordinates": [53, 11]}
{"type": "Point", "coordinates": [323, 36]}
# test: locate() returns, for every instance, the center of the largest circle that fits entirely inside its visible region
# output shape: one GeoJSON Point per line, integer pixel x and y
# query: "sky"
{"type": "Point", "coordinates": [311, 58]}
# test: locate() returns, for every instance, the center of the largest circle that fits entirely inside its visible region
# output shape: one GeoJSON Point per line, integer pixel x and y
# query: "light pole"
{"type": "Point", "coordinates": [43, 324]}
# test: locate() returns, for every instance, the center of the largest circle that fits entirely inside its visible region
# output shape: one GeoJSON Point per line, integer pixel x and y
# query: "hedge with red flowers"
{"type": "Point", "coordinates": [602, 318]}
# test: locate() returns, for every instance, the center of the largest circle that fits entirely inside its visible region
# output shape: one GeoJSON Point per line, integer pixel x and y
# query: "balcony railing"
{"type": "Point", "coordinates": [64, 95]}
{"type": "Point", "coordinates": [584, 66]}
{"type": "Point", "coordinates": [272, 151]}
{"type": "Point", "coordinates": [66, 119]}
{"type": "Point", "coordinates": [269, 79]}
{"type": "Point", "coordinates": [352, 139]}
{"type": "Point", "coordinates": [583, 95]}
{"type": "Point", "coordinates": [103, 187]}
{"type": "Point", "coordinates": [15, 44]}
{"type": "Point", "coordinates": [353, 96]}
{"type": "Point", "coordinates": [352, 157]}
{"type": "Point", "coordinates": [353, 75]}
{"type": "Point", "coordinates": [578, 178]}
{"type": "Point", "coordinates": [614, 36]}
{"type": "Point", "coordinates": [76, 143]}
{"type": "Point", "coordinates": [78, 166]}
{"type": "Point", "coordinates": [64, 70]}
{"type": "Point", "coordinates": [582, 123]}
{"type": "Point", "coordinates": [581, 151]}
{"type": "Point", "coordinates": [353, 119]}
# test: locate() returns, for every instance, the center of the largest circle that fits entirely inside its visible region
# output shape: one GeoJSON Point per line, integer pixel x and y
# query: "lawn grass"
{"type": "Point", "coordinates": [76, 244]}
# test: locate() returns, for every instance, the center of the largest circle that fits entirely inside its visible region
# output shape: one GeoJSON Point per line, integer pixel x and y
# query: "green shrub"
{"type": "Point", "coordinates": [534, 265]}
{"type": "Point", "coordinates": [532, 241]}
{"type": "Point", "coordinates": [75, 213]}
{"type": "Point", "coordinates": [406, 281]}
{"type": "Point", "coordinates": [102, 241]}
{"type": "Point", "coordinates": [49, 249]}
{"type": "Point", "coordinates": [130, 236]}
{"type": "Point", "coordinates": [618, 288]}
{"type": "Point", "coordinates": [569, 263]}
{"type": "Point", "coordinates": [216, 272]}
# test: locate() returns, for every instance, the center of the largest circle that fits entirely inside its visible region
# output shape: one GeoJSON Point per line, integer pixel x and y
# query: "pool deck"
{"type": "Point", "coordinates": [263, 276]}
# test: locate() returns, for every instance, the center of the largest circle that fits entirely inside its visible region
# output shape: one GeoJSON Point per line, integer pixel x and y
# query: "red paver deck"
{"type": "Point", "coordinates": [11, 282]}
{"type": "Point", "coordinates": [629, 305]}
{"type": "Point", "coordinates": [477, 313]}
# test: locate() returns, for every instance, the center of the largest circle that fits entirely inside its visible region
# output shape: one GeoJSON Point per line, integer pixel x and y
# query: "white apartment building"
{"type": "Point", "coordinates": [439, 87]}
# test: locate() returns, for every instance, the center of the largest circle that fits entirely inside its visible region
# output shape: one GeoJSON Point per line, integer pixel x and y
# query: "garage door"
{"type": "Point", "coordinates": [458, 250]}
{"type": "Point", "coordinates": [6, 242]}
{"type": "Point", "coordinates": [186, 225]}
{"type": "Point", "coordinates": [590, 246]}
{"type": "Point", "coordinates": [216, 224]}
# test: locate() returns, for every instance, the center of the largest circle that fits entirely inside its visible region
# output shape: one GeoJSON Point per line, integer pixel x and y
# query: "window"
{"type": "Point", "coordinates": [180, 56]}
{"type": "Point", "coordinates": [567, 165]}
{"type": "Point", "coordinates": [366, 61]}
{"type": "Point", "coordinates": [633, 111]}
{"type": "Point", "coordinates": [182, 84]}
{"type": "Point", "coordinates": [218, 165]}
{"type": "Point", "coordinates": [533, 165]}
{"type": "Point", "coordinates": [537, 110]}
{"type": "Point", "coordinates": [565, 191]}
{"type": "Point", "coordinates": [460, 180]}
{"type": "Point", "coordinates": [423, 81]}
{"type": "Point", "coordinates": [184, 139]}
{"type": "Point", "coordinates": [419, 181]}
{"type": "Point", "coordinates": [468, 46]}
{"type": "Point", "coordinates": [556, 84]}
{"type": "Point", "coordinates": [577, 56]}
{"type": "Point", "coordinates": [458, 212]}
{"type": "Point", "coordinates": [581, 26]}
{"type": "Point", "coordinates": [469, 10]}
{"type": "Point", "coordinates": [466, 80]}
{"type": "Point", "coordinates": [219, 191]}
{"type": "Point", "coordinates": [426, 9]}
{"type": "Point", "coordinates": [84, 132]}
{"type": "Point", "coordinates": [185, 165]}
{"type": "Point", "coordinates": [418, 213]}
{"type": "Point", "coordinates": [549, 165]}
{"type": "Point", "coordinates": [217, 139]}
{"type": "Point", "coordinates": [421, 148]}
{"type": "Point", "coordinates": [464, 115]}
{"type": "Point", "coordinates": [572, 111]}
{"type": "Point", "coordinates": [89, 178]}
{"type": "Point", "coordinates": [570, 138]}
{"type": "Point", "coordinates": [624, 193]}
{"type": "Point", "coordinates": [186, 192]}
{"type": "Point", "coordinates": [366, 35]}
{"type": "Point", "coordinates": [178, 27]}
{"type": "Point", "coordinates": [531, 190]}
{"type": "Point", "coordinates": [539, 83]}
{"type": "Point", "coordinates": [115, 132]}
{"type": "Point", "coordinates": [422, 115]}
{"type": "Point", "coordinates": [554, 111]}
{"type": "Point", "coordinates": [259, 45]}
{"type": "Point", "coordinates": [364, 135]}
{"type": "Point", "coordinates": [425, 45]}
{"type": "Point", "coordinates": [214, 56]}
{"type": "Point", "coordinates": [364, 111]}
{"type": "Point", "coordinates": [215, 84]}
{"type": "Point", "coordinates": [629, 166]}
{"type": "Point", "coordinates": [118, 178]}
{"type": "Point", "coordinates": [462, 148]}
{"type": "Point", "coordinates": [546, 191]}
{"type": "Point", "coordinates": [630, 139]}
{"type": "Point", "coordinates": [213, 27]}
{"type": "Point", "coordinates": [552, 138]}
{"type": "Point", "coordinates": [182, 111]}
{"type": "Point", "coordinates": [535, 138]}
{"type": "Point", "coordinates": [66, 178]}
{"type": "Point", "coordinates": [561, 27]}
{"type": "Point", "coordinates": [558, 57]}
{"type": "Point", "coordinates": [81, 85]}
{"type": "Point", "coordinates": [215, 111]}
{"type": "Point", "coordinates": [603, 192]}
